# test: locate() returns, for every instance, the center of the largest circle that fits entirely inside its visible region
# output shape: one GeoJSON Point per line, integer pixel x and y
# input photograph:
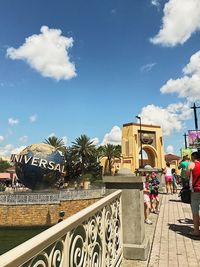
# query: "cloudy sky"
{"type": "Point", "coordinates": [73, 67]}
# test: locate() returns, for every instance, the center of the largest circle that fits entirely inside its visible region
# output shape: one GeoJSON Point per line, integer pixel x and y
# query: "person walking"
{"type": "Point", "coordinates": [168, 178]}
{"type": "Point", "coordinates": [147, 206]}
{"type": "Point", "coordinates": [183, 166]}
{"type": "Point", "coordinates": [193, 174]}
{"type": "Point", "coordinates": [154, 193]}
{"type": "Point", "coordinates": [174, 180]}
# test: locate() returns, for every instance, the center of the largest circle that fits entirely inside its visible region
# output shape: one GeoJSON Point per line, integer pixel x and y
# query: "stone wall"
{"type": "Point", "coordinates": [40, 214]}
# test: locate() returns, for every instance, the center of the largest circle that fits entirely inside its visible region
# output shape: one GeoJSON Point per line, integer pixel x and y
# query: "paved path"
{"type": "Point", "coordinates": [171, 244]}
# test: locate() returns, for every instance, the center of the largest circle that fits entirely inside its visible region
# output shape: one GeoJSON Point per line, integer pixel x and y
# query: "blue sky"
{"type": "Point", "coordinates": [87, 67]}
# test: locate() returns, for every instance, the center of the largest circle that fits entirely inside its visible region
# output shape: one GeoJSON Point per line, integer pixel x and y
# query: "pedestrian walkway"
{"type": "Point", "coordinates": [171, 246]}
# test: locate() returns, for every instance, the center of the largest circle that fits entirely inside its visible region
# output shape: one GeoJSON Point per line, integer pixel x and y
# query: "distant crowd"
{"type": "Point", "coordinates": [12, 187]}
{"type": "Point", "coordinates": [187, 178]}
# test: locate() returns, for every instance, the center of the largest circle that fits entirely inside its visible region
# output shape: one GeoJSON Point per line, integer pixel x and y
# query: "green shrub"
{"type": "Point", "coordinates": [2, 187]}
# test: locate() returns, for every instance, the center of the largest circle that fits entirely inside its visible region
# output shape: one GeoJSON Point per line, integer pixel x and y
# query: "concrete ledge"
{"type": "Point", "coordinates": [124, 182]}
{"type": "Point", "coordinates": [124, 179]}
{"type": "Point", "coordinates": [137, 252]}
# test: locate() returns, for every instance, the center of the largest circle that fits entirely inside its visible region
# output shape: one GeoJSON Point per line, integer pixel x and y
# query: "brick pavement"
{"type": "Point", "coordinates": [171, 244]}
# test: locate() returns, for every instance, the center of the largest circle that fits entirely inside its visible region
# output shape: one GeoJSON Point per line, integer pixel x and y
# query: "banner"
{"type": "Point", "coordinates": [186, 152]}
{"type": "Point", "coordinates": [194, 139]}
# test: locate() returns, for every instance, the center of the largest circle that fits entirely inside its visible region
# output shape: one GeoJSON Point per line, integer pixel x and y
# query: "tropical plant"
{"type": "Point", "coordinates": [72, 165]}
{"type": "Point", "coordinates": [4, 165]}
{"type": "Point", "coordinates": [84, 148]}
{"type": "Point", "coordinates": [56, 142]}
{"type": "Point", "coordinates": [111, 152]}
{"type": "Point", "coordinates": [2, 187]}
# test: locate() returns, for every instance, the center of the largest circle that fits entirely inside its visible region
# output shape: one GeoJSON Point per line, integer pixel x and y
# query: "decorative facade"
{"type": "Point", "coordinates": [150, 138]}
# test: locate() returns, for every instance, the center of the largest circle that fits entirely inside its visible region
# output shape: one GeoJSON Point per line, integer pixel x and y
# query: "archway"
{"type": "Point", "coordinates": [149, 156]}
{"type": "Point", "coordinates": [150, 138]}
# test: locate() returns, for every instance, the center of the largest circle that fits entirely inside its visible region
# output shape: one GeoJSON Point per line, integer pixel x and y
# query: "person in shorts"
{"type": "Point", "coordinates": [174, 181]}
{"type": "Point", "coordinates": [168, 178]}
{"type": "Point", "coordinates": [194, 174]}
{"type": "Point", "coordinates": [154, 193]}
{"type": "Point", "coordinates": [146, 200]}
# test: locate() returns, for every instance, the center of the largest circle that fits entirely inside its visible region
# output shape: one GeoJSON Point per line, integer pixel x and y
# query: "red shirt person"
{"type": "Point", "coordinates": [194, 174]}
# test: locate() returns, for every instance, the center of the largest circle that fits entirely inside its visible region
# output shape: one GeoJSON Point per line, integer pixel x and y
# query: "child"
{"type": "Point", "coordinates": [154, 193]}
{"type": "Point", "coordinates": [146, 201]}
{"type": "Point", "coordinates": [174, 181]}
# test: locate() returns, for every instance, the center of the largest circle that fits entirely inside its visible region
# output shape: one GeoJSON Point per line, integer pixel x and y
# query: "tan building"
{"type": "Point", "coordinates": [116, 165]}
{"type": "Point", "coordinates": [152, 146]}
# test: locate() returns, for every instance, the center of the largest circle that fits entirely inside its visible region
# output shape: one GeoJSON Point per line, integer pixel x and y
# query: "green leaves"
{"type": "Point", "coordinates": [56, 142]}
{"type": "Point", "coordinates": [111, 152]}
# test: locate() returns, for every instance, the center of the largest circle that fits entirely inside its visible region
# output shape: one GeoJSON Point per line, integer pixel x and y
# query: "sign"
{"type": "Point", "coordinates": [36, 161]}
{"type": "Point", "coordinates": [194, 138]}
{"type": "Point", "coordinates": [186, 152]}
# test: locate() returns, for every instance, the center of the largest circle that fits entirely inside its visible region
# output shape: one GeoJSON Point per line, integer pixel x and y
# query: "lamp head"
{"type": "Point", "coordinates": [138, 117]}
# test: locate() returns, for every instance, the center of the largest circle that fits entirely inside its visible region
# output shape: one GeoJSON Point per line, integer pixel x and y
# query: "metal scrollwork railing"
{"type": "Point", "coordinates": [90, 238]}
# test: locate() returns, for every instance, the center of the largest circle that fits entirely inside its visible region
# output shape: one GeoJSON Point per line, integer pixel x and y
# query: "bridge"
{"type": "Point", "coordinates": [111, 232]}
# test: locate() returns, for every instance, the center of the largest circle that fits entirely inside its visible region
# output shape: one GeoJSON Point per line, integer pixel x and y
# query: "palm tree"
{"type": "Point", "coordinates": [111, 152]}
{"type": "Point", "coordinates": [56, 142]}
{"type": "Point", "coordinates": [83, 148]}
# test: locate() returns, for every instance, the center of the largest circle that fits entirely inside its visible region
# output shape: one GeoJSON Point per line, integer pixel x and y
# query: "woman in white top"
{"type": "Point", "coordinates": [168, 178]}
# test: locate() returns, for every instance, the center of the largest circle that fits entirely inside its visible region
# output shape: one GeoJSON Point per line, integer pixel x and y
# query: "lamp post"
{"type": "Point", "coordinates": [185, 138]}
{"type": "Point", "coordinates": [141, 154]}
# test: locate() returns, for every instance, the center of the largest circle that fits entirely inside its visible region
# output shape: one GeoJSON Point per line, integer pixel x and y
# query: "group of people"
{"type": "Point", "coordinates": [192, 179]}
{"type": "Point", "coordinates": [189, 177]}
{"type": "Point", "coordinates": [151, 187]}
{"type": "Point", "coordinates": [151, 198]}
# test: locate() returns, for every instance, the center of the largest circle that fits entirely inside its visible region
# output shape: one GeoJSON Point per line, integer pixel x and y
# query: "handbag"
{"type": "Point", "coordinates": [185, 193]}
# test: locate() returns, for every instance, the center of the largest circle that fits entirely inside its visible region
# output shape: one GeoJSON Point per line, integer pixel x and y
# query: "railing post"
{"type": "Point", "coordinates": [135, 244]}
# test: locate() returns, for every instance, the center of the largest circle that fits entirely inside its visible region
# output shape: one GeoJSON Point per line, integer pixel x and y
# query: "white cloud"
{"type": "Point", "coordinates": [23, 139]}
{"type": "Point", "coordinates": [155, 3]}
{"type": "Point", "coordinates": [113, 11]}
{"type": "Point", "coordinates": [170, 118]}
{"type": "Point", "coordinates": [148, 67]}
{"type": "Point", "coordinates": [47, 53]}
{"type": "Point", "coordinates": [17, 150]}
{"type": "Point", "coordinates": [33, 118]}
{"type": "Point", "coordinates": [51, 135]}
{"type": "Point", "coordinates": [181, 19]}
{"type": "Point", "coordinates": [188, 85]}
{"type": "Point", "coordinates": [12, 121]}
{"type": "Point", "coordinates": [9, 149]}
{"type": "Point", "coordinates": [6, 84]}
{"type": "Point", "coordinates": [95, 141]}
{"type": "Point", "coordinates": [113, 137]}
{"type": "Point", "coordinates": [1, 138]}
{"type": "Point", "coordinates": [170, 149]}
{"type": "Point", "coordinates": [65, 140]}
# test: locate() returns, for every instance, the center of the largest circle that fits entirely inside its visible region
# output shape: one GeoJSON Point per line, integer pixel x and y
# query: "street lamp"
{"type": "Point", "coordinates": [141, 163]}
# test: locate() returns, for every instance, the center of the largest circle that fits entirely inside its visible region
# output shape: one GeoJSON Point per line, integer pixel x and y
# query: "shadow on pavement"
{"type": "Point", "coordinates": [180, 229]}
{"type": "Point", "coordinates": [183, 230]}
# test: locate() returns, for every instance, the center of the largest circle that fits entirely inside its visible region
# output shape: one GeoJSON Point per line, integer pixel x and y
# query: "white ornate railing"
{"type": "Point", "coordinates": [90, 238]}
{"type": "Point", "coordinates": [46, 197]}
